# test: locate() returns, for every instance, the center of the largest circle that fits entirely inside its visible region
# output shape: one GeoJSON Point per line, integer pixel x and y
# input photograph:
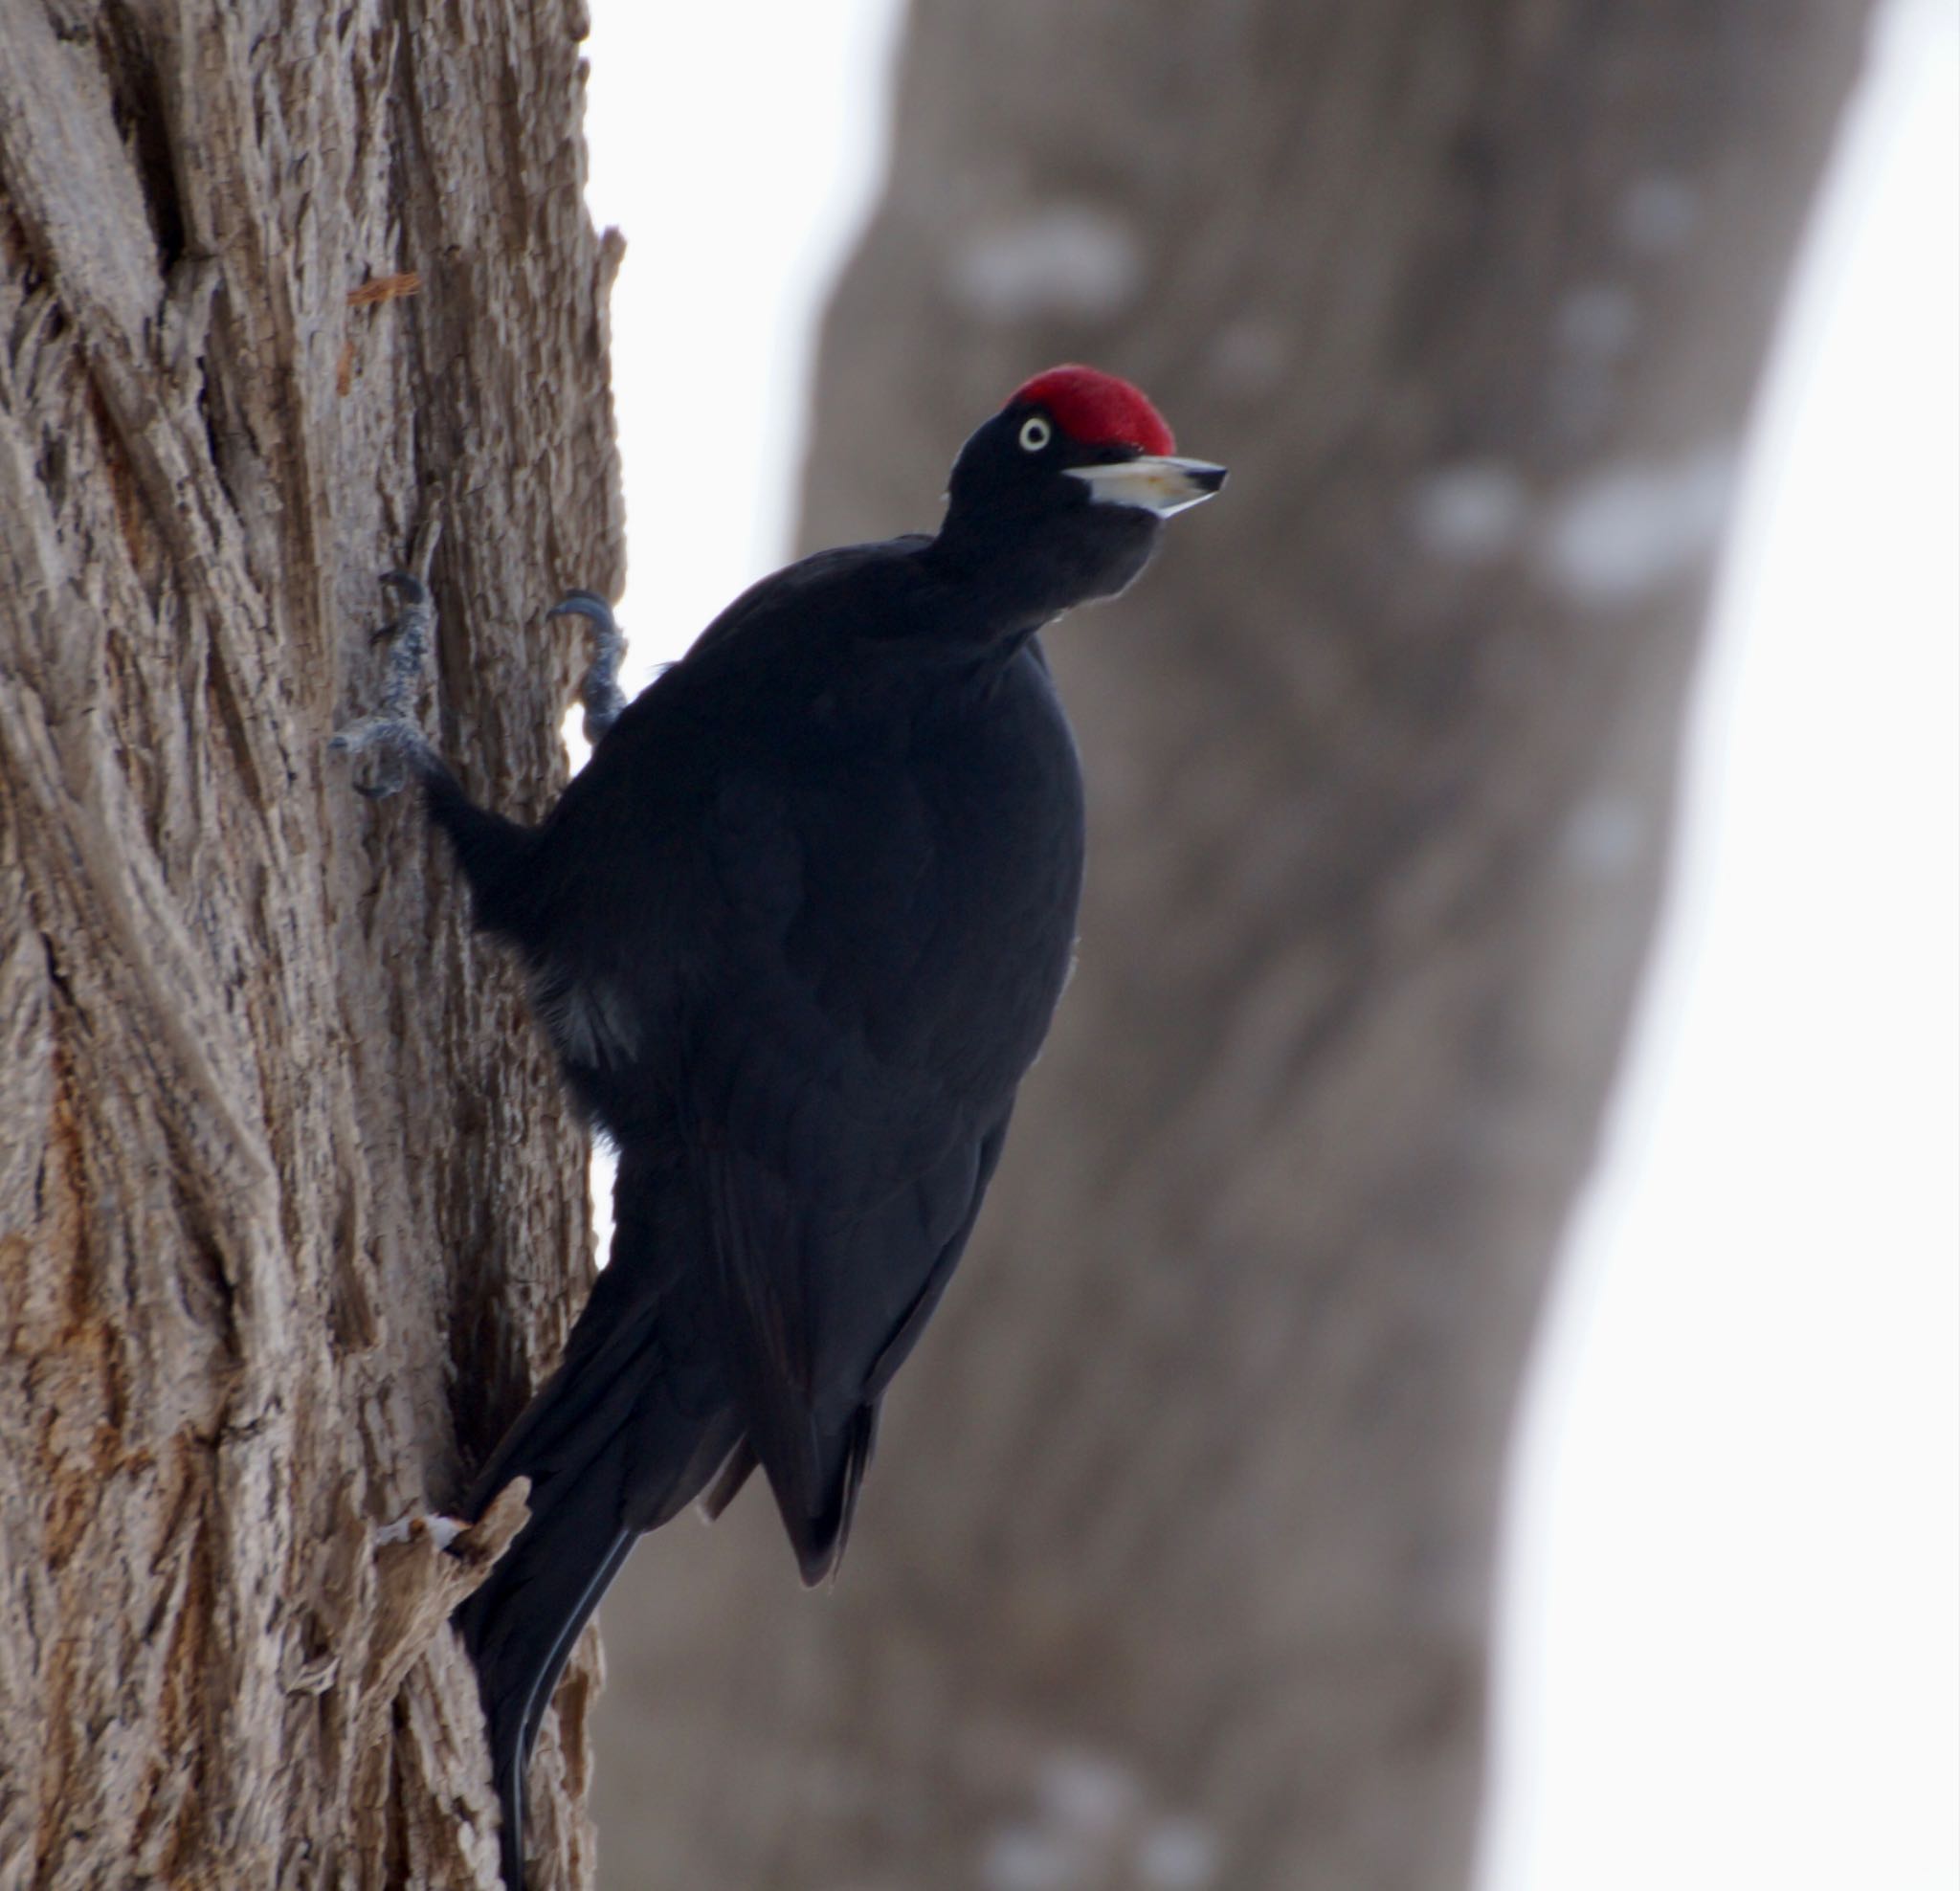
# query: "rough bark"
{"type": "Point", "coordinates": [1175, 1565]}
{"type": "Point", "coordinates": [289, 1207]}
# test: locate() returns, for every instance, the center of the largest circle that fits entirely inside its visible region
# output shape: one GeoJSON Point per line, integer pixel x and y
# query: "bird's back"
{"type": "Point", "coordinates": [834, 815]}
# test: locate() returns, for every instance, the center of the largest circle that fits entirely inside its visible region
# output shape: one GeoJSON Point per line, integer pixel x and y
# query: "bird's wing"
{"type": "Point", "coordinates": [839, 1168]}
{"type": "Point", "coordinates": [819, 1312]}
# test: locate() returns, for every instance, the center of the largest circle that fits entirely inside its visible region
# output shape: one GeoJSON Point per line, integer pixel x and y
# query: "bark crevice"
{"type": "Point", "coordinates": [247, 1216]}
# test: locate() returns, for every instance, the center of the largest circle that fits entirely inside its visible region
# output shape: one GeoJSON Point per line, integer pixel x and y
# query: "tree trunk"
{"type": "Point", "coordinates": [1176, 1567]}
{"type": "Point", "coordinates": [290, 1209]}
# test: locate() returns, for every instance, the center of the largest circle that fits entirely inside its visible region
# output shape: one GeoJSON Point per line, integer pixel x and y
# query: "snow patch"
{"type": "Point", "coordinates": [1024, 1859]}
{"type": "Point", "coordinates": [1469, 514]}
{"type": "Point", "coordinates": [1630, 529]}
{"type": "Point", "coordinates": [1069, 259]}
{"type": "Point", "coordinates": [1094, 1824]}
{"type": "Point", "coordinates": [1087, 1793]}
{"type": "Point", "coordinates": [1250, 356]}
{"type": "Point", "coordinates": [1658, 214]}
{"type": "Point", "coordinates": [1603, 836]}
{"type": "Point", "coordinates": [1177, 1855]}
{"type": "Point", "coordinates": [1597, 322]}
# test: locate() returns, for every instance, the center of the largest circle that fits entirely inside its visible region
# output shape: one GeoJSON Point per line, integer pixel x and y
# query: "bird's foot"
{"type": "Point", "coordinates": [408, 750]}
{"type": "Point", "coordinates": [600, 692]}
{"type": "Point", "coordinates": [393, 729]}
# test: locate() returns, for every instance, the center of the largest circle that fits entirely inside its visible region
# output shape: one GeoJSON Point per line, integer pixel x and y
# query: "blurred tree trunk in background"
{"type": "Point", "coordinates": [1176, 1568]}
{"type": "Point", "coordinates": [289, 1208]}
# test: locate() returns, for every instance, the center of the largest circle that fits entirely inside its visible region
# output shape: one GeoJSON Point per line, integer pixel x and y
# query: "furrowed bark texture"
{"type": "Point", "coordinates": [1176, 1567]}
{"type": "Point", "coordinates": [289, 1208]}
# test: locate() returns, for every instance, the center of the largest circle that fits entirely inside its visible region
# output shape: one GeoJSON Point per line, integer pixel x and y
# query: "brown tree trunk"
{"type": "Point", "coordinates": [289, 1207]}
{"type": "Point", "coordinates": [1175, 1565]}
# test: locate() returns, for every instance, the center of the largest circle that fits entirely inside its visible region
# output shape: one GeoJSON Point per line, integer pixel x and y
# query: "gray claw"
{"type": "Point", "coordinates": [586, 604]}
{"type": "Point", "coordinates": [394, 729]}
{"type": "Point", "coordinates": [599, 691]}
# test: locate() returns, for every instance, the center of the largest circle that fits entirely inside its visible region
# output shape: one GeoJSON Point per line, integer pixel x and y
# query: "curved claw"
{"type": "Point", "coordinates": [599, 691]}
{"type": "Point", "coordinates": [585, 603]}
{"type": "Point", "coordinates": [394, 729]}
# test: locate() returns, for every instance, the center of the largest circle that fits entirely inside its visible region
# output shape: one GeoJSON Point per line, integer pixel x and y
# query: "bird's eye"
{"type": "Point", "coordinates": [1035, 434]}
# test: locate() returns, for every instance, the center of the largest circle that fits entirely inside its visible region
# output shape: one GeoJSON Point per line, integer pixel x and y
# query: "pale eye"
{"type": "Point", "coordinates": [1035, 434]}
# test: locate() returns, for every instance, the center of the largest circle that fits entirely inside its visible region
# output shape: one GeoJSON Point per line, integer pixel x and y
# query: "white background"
{"type": "Point", "coordinates": [1731, 1653]}
{"type": "Point", "coordinates": [1734, 1582]}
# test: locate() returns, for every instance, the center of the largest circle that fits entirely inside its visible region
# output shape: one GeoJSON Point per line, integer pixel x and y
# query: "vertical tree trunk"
{"type": "Point", "coordinates": [1176, 1567]}
{"type": "Point", "coordinates": [289, 1208]}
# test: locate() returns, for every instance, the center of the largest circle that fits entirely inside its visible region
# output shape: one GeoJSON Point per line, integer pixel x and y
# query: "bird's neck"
{"type": "Point", "coordinates": [994, 587]}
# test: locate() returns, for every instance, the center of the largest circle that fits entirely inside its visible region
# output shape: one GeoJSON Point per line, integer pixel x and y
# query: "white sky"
{"type": "Point", "coordinates": [1730, 1653]}
{"type": "Point", "coordinates": [740, 154]}
{"type": "Point", "coordinates": [1734, 1583]}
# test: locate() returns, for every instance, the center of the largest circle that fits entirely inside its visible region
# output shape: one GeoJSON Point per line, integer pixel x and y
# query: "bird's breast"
{"type": "Point", "coordinates": [942, 873]}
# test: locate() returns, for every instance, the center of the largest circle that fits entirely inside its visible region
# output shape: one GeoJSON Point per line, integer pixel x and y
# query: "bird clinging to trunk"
{"type": "Point", "coordinates": [796, 931]}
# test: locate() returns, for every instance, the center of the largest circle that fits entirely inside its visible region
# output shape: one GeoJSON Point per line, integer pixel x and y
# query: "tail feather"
{"type": "Point", "coordinates": [520, 1632]}
{"type": "Point", "coordinates": [737, 1468]}
{"type": "Point", "coordinates": [609, 1456]}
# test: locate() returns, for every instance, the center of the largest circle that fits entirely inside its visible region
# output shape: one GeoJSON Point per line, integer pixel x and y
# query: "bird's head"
{"type": "Point", "coordinates": [1062, 494]}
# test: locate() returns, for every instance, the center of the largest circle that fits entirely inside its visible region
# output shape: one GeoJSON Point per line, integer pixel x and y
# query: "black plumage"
{"type": "Point", "coordinates": [796, 931]}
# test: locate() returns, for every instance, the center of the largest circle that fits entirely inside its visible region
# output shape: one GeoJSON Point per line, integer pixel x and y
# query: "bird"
{"type": "Point", "coordinates": [796, 932]}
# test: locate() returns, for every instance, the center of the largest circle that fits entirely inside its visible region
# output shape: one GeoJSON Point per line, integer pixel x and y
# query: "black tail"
{"type": "Point", "coordinates": [521, 1628]}
{"type": "Point", "coordinates": [611, 1453]}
